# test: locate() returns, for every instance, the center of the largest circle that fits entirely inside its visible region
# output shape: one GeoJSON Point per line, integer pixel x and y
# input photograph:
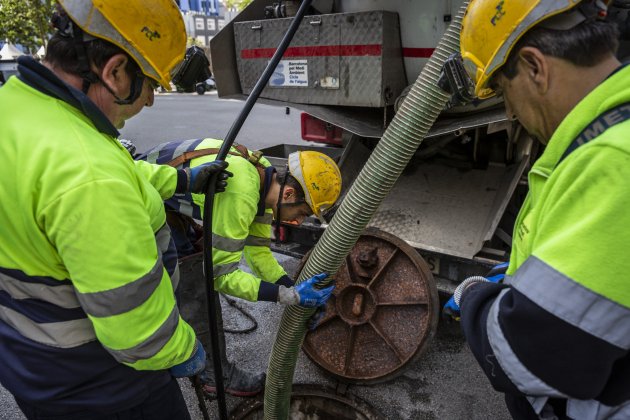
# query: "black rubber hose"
{"type": "Point", "coordinates": [264, 79]}
{"type": "Point", "coordinates": [196, 383]}
{"type": "Point", "coordinates": [209, 201]}
{"type": "Point", "coordinates": [212, 296]}
{"type": "Point", "coordinates": [234, 304]}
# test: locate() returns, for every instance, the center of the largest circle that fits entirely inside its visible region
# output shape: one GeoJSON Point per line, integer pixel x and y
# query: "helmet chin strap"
{"type": "Point", "coordinates": [134, 94]}
{"type": "Point", "coordinates": [279, 205]}
{"type": "Point", "coordinates": [89, 77]}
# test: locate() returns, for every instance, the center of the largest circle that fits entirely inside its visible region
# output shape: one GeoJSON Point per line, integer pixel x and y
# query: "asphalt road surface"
{"type": "Point", "coordinates": [176, 116]}
{"type": "Point", "coordinates": [446, 383]}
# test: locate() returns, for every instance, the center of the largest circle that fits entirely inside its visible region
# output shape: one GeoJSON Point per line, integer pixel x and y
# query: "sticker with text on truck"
{"type": "Point", "coordinates": [293, 73]}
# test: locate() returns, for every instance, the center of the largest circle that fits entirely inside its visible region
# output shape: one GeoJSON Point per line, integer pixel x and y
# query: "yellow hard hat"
{"type": "Point", "coordinates": [491, 29]}
{"type": "Point", "coordinates": [319, 177]}
{"type": "Point", "coordinates": [152, 33]}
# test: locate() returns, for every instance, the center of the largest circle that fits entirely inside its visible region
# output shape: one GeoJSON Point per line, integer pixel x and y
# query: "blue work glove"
{"type": "Point", "coordinates": [310, 297]}
{"type": "Point", "coordinates": [199, 175]}
{"type": "Point", "coordinates": [497, 273]}
{"type": "Point", "coordinates": [316, 318]}
{"type": "Point", "coordinates": [193, 366]}
{"type": "Point", "coordinates": [451, 309]}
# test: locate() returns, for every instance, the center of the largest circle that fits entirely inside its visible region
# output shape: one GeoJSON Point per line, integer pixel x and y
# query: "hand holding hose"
{"type": "Point", "coordinates": [199, 175]}
{"type": "Point", "coordinates": [451, 310]}
{"type": "Point", "coordinates": [306, 294]}
{"type": "Point", "coordinates": [314, 321]}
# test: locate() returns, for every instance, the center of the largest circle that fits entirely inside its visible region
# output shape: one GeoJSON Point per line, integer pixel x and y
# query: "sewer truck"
{"type": "Point", "coordinates": [448, 216]}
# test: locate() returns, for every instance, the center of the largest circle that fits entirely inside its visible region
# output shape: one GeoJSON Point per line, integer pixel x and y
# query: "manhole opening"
{"type": "Point", "coordinates": [310, 402]}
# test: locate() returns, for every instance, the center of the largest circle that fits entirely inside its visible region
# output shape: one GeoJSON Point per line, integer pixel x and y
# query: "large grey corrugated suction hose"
{"type": "Point", "coordinates": [422, 106]}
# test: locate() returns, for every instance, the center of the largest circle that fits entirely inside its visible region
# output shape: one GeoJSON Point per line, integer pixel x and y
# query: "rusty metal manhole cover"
{"type": "Point", "coordinates": [383, 312]}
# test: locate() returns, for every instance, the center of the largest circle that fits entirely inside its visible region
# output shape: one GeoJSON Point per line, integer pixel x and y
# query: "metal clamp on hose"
{"type": "Point", "coordinates": [454, 79]}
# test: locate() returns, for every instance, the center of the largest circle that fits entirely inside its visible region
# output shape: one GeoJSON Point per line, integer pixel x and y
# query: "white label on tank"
{"type": "Point", "coordinates": [329, 82]}
{"type": "Point", "coordinates": [292, 73]}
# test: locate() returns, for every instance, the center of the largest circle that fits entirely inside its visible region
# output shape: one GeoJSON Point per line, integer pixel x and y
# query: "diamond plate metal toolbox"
{"type": "Point", "coordinates": [349, 59]}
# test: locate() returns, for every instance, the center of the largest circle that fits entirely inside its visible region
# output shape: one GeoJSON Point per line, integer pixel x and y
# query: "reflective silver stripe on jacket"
{"type": "Point", "coordinates": [183, 147]}
{"type": "Point", "coordinates": [264, 220]}
{"type": "Point", "coordinates": [152, 345]}
{"type": "Point", "coordinates": [257, 241]}
{"type": "Point", "coordinates": [155, 153]}
{"type": "Point", "coordinates": [63, 295]}
{"type": "Point", "coordinates": [180, 149]}
{"type": "Point", "coordinates": [124, 298]}
{"type": "Point", "coordinates": [525, 381]}
{"type": "Point", "coordinates": [163, 240]}
{"type": "Point", "coordinates": [65, 334]}
{"type": "Point", "coordinates": [227, 244]}
{"type": "Point", "coordinates": [594, 410]}
{"type": "Point", "coordinates": [579, 306]}
{"type": "Point", "coordinates": [223, 269]}
{"type": "Point", "coordinates": [185, 208]}
{"type": "Point", "coordinates": [539, 404]}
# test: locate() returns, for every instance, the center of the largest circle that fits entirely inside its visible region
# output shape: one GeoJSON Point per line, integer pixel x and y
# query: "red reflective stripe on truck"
{"type": "Point", "coordinates": [317, 51]}
{"type": "Point", "coordinates": [334, 51]}
{"type": "Point", "coordinates": [418, 52]}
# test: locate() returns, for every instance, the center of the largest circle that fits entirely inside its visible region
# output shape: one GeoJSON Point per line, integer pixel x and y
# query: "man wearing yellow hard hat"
{"type": "Point", "coordinates": [554, 335]}
{"type": "Point", "coordinates": [241, 226]}
{"type": "Point", "coordinates": [89, 326]}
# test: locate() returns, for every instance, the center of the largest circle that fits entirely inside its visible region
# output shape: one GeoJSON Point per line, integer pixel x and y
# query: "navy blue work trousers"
{"type": "Point", "coordinates": [166, 403]}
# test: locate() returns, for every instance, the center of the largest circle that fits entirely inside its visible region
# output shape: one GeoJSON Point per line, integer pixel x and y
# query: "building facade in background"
{"type": "Point", "coordinates": [208, 7]}
{"type": "Point", "coordinates": [203, 19]}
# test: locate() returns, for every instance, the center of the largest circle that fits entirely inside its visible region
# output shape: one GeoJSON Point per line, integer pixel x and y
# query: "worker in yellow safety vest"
{"type": "Point", "coordinates": [553, 332]}
{"type": "Point", "coordinates": [89, 326]}
{"type": "Point", "coordinates": [256, 195]}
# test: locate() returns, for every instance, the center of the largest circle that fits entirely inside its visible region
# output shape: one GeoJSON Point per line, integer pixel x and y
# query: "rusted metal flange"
{"type": "Point", "coordinates": [383, 313]}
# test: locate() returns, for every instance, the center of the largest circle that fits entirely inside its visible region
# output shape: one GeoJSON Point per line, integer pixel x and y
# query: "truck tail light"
{"type": "Point", "coordinates": [314, 129]}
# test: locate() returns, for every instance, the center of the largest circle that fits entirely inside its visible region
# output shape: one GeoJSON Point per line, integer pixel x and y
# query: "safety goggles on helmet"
{"type": "Point", "coordinates": [195, 68]}
{"type": "Point", "coordinates": [457, 79]}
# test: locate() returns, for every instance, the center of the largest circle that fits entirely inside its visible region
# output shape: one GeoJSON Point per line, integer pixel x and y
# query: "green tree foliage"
{"type": "Point", "coordinates": [238, 4]}
{"type": "Point", "coordinates": [190, 42]}
{"type": "Point", "coordinates": [26, 22]}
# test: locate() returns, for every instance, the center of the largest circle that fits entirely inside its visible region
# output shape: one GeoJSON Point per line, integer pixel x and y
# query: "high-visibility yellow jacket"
{"type": "Point", "coordinates": [84, 294]}
{"type": "Point", "coordinates": [241, 224]}
{"type": "Point", "coordinates": [560, 326]}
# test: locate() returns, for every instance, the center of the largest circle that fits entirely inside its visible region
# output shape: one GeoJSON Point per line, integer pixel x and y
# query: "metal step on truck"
{"type": "Point", "coordinates": [451, 213]}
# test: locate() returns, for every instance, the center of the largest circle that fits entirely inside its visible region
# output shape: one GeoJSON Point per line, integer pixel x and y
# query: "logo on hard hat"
{"type": "Point", "coordinates": [150, 34]}
{"type": "Point", "coordinates": [499, 14]}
